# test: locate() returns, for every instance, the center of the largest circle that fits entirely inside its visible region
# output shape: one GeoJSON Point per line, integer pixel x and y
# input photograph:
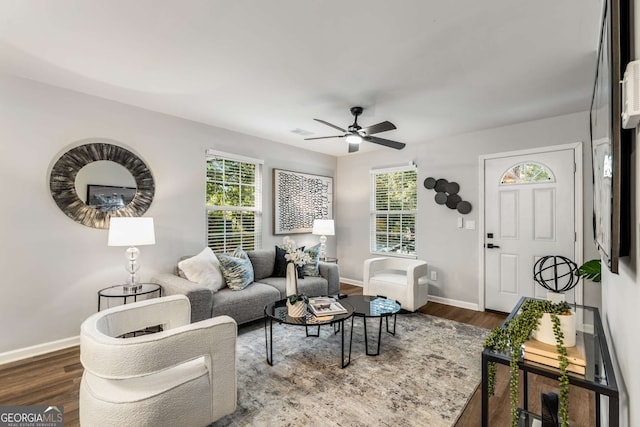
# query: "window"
{"type": "Point", "coordinates": [393, 210]}
{"type": "Point", "coordinates": [527, 173]}
{"type": "Point", "coordinates": [234, 205]}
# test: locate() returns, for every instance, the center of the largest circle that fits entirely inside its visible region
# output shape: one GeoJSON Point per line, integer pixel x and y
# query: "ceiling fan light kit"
{"type": "Point", "coordinates": [353, 139]}
{"type": "Point", "coordinates": [355, 134]}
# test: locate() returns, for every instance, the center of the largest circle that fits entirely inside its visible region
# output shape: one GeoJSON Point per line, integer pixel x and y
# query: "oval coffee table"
{"type": "Point", "coordinates": [277, 312]}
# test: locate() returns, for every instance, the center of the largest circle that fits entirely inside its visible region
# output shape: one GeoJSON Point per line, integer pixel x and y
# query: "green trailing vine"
{"type": "Point", "coordinates": [510, 339]}
{"type": "Point", "coordinates": [297, 297]}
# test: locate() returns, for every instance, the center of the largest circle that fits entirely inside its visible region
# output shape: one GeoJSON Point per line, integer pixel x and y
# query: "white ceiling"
{"type": "Point", "coordinates": [265, 68]}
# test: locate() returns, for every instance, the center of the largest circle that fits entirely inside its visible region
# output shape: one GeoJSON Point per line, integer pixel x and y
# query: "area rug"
{"type": "Point", "coordinates": [424, 376]}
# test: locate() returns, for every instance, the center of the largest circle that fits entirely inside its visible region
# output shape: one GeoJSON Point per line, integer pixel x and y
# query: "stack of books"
{"type": "Point", "coordinates": [546, 354]}
{"type": "Point", "coordinates": [326, 306]}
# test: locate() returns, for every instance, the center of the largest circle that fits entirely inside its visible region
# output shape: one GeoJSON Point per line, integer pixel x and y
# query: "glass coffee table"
{"type": "Point", "coordinates": [277, 312]}
{"type": "Point", "coordinates": [378, 307]}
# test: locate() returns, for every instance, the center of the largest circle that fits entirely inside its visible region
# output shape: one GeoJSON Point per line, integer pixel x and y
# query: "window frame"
{"type": "Point", "coordinates": [374, 212]}
{"type": "Point", "coordinates": [518, 181]}
{"type": "Point", "coordinates": [227, 242]}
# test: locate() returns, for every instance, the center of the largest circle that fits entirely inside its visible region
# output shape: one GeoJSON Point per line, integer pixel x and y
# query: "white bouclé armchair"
{"type": "Point", "coordinates": [400, 279]}
{"type": "Point", "coordinates": [183, 375]}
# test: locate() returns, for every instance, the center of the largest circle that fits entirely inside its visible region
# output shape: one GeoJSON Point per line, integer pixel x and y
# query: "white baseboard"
{"type": "Point", "coordinates": [441, 300]}
{"type": "Point", "coordinates": [455, 303]}
{"type": "Point", "coordinates": [48, 347]}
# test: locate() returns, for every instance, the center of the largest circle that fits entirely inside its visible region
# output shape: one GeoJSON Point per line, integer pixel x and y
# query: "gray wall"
{"type": "Point", "coordinates": [621, 296]}
{"type": "Point", "coordinates": [51, 266]}
{"type": "Point", "coordinates": [451, 251]}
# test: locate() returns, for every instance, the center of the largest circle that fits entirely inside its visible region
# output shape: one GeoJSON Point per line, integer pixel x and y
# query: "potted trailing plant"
{"type": "Point", "coordinates": [590, 270]}
{"type": "Point", "coordinates": [510, 339]}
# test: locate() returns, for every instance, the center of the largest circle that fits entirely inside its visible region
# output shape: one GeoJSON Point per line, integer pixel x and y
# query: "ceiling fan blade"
{"type": "Point", "coordinates": [353, 147]}
{"type": "Point", "coordinates": [324, 137]}
{"type": "Point", "coordinates": [386, 142]}
{"type": "Point", "coordinates": [329, 124]}
{"type": "Point", "coordinates": [380, 127]}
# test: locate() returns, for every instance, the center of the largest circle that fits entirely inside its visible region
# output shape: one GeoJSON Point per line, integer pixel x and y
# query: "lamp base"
{"type": "Point", "coordinates": [323, 248]}
{"type": "Point", "coordinates": [132, 289]}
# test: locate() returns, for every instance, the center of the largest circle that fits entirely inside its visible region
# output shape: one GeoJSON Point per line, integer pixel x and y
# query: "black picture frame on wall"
{"type": "Point", "coordinates": [610, 144]}
{"type": "Point", "coordinates": [298, 199]}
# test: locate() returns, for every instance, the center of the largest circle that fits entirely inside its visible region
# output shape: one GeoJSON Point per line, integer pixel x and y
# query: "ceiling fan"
{"type": "Point", "coordinates": [355, 134]}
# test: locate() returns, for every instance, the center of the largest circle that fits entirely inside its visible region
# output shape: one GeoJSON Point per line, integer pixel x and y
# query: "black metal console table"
{"type": "Point", "coordinates": [599, 376]}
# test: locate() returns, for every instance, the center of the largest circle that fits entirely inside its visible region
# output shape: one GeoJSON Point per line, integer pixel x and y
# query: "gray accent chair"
{"type": "Point", "coordinates": [248, 304]}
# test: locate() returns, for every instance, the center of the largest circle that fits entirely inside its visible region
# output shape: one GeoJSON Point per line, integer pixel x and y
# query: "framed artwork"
{"type": "Point", "coordinates": [298, 199]}
{"type": "Point", "coordinates": [108, 197]}
{"type": "Point", "coordinates": [610, 144]}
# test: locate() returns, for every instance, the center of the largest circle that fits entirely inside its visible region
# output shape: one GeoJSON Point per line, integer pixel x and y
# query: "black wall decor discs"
{"type": "Point", "coordinates": [447, 194]}
{"type": "Point", "coordinates": [464, 207]}
{"type": "Point", "coordinates": [453, 200]}
{"type": "Point", "coordinates": [441, 198]}
{"type": "Point", "coordinates": [429, 183]}
{"type": "Point", "coordinates": [441, 185]}
{"type": "Point", "coordinates": [452, 188]}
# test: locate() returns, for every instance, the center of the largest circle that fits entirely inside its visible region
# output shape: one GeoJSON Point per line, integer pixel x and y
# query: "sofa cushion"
{"type": "Point", "coordinates": [203, 269]}
{"type": "Point", "coordinates": [309, 286]}
{"type": "Point", "coordinates": [236, 269]}
{"type": "Point", "coordinates": [245, 305]}
{"type": "Point", "coordinates": [262, 261]}
{"type": "Point", "coordinates": [311, 268]}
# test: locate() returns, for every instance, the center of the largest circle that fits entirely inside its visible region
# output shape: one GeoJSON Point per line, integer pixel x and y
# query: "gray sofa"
{"type": "Point", "coordinates": [248, 304]}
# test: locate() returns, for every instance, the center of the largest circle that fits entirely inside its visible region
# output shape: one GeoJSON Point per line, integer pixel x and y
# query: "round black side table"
{"type": "Point", "coordinates": [119, 291]}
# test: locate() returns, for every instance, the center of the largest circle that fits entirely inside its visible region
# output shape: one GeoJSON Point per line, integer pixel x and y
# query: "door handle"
{"type": "Point", "coordinates": [492, 246]}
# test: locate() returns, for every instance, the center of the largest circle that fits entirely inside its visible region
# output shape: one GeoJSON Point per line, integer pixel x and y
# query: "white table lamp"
{"type": "Point", "coordinates": [323, 228]}
{"type": "Point", "coordinates": [131, 232]}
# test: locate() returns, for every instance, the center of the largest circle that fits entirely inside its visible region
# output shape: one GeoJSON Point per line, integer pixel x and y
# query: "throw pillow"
{"type": "Point", "coordinates": [280, 265]}
{"type": "Point", "coordinates": [311, 268]}
{"type": "Point", "coordinates": [236, 269]}
{"type": "Point", "coordinates": [203, 269]}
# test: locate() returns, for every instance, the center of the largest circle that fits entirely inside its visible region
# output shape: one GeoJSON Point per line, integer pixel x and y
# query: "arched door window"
{"type": "Point", "coordinates": [527, 173]}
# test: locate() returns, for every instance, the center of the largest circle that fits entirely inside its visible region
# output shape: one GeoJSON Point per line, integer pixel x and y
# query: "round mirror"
{"type": "Point", "coordinates": [93, 182]}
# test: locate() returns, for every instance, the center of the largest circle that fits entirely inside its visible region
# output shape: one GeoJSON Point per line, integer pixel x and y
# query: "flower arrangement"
{"type": "Point", "coordinates": [294, 254]}
{"type": "Point", "coordinates": [298, 257]}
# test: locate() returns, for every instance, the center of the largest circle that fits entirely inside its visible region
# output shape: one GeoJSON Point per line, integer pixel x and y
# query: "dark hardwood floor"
{"type": "Point", "coordinates": [54, 378]}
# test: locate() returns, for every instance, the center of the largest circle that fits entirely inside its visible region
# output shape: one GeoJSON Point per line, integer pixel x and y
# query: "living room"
{"type": "Point", "coordinates": [54, 266]}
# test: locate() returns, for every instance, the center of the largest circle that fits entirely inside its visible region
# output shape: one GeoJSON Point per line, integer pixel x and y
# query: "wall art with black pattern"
{"type": "Point", "coordinates": [298, 199]}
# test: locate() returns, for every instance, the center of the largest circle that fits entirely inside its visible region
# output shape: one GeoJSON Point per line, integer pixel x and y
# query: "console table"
{"type": "Point", "coordinates": [599, 377]}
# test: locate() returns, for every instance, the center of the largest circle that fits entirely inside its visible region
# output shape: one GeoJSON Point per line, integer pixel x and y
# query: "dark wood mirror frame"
{"type": "Point", "coordinates": [63, 177]}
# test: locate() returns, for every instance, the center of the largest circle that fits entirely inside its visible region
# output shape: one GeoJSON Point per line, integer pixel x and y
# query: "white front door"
{"type": "Point", "coordinates": [529, 213]}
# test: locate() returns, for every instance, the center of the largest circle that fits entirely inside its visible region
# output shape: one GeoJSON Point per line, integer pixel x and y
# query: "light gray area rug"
{"type": "Point", "coordinates": [424, 376]}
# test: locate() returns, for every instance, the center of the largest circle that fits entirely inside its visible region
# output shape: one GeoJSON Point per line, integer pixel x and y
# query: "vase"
{"type": "Point", "coordinates": [544, 332]}
{"type": "Point", "coordinates": [297, 309]}
{"type": "Point", "coordinates": [291, 279]}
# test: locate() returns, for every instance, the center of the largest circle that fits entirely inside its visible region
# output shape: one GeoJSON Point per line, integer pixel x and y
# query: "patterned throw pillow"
{"type": "Point", "coordinates": [236, 269]}
{"type": "Point", "coordinates": [311, 269]}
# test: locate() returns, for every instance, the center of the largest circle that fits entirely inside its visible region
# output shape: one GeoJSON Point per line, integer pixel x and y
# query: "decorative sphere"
{"type": "Point", "coordinates": [555, 273]}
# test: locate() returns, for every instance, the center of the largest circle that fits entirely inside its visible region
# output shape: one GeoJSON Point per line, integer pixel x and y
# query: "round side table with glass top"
{"type": "Point", "coordinates": [377, 307]}
{"type": "Point", "coordinates": [146, 290]}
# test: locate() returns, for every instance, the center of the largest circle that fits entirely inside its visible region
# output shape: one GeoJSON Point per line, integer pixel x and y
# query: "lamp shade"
{"type": "Point", "coordinates": [323, 227]}
{"type": "Point", "coordinates": [131, 231]}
